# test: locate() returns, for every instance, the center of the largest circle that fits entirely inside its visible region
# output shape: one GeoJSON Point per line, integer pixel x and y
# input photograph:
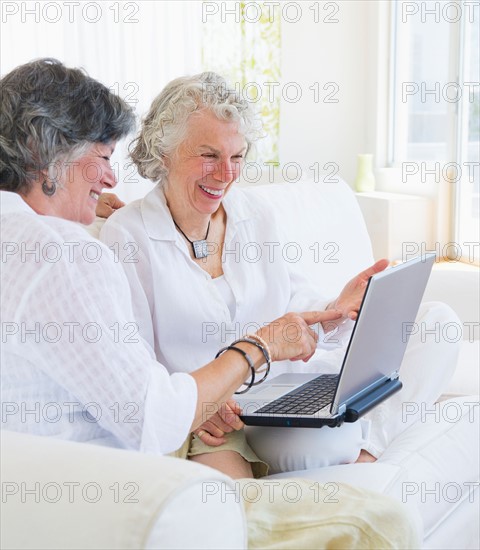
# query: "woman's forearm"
{"type": "Point", "coordinates": [289, 337]}
{"type": "Point", "coordinates": [217, 381]}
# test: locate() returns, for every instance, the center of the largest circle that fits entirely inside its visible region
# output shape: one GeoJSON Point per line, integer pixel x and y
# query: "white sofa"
{"type": "Point", "coordinates": [58, 494]}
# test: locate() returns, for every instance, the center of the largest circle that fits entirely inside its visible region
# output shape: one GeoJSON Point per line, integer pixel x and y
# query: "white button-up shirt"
{"type": "Point", "coordinates": [181, 312]}
{"type": "Point", "coordinates": [73, 363]}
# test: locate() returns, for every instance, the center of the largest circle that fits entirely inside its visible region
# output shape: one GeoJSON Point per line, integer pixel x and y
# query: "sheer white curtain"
{"type": "Point", "coordinates": [134, 48]}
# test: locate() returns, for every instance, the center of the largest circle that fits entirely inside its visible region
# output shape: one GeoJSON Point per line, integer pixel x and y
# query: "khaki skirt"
{"type": "Point", "coordinates": [236, 441]}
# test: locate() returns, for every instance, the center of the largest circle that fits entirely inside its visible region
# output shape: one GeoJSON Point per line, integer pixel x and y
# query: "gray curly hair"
{"type": "Point", "coordinates": [51, 114]}
{"type": "Point", "coordinates": [165, 126]}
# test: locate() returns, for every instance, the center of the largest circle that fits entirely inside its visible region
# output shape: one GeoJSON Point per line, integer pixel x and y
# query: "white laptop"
{"type": "Point", "coordinates": [370, 369]}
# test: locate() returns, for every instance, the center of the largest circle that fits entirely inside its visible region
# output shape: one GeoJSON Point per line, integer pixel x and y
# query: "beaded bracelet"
{"type": "Point", "coordinates": [261, 341]}
{"type": "Point", "coordinates": [265, 352]}
{"type": "Point", "coordinates": [248, 359]}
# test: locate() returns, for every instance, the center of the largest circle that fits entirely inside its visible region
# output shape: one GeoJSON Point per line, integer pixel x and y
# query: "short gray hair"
{"type": "Point", "coordinates": [164, 127]}
{"type": "Point", "coordinates": [50, 114]}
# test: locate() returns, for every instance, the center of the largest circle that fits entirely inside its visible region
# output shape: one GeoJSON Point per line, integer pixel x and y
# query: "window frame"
{"type": "Point", "coordinates": [457, 115]}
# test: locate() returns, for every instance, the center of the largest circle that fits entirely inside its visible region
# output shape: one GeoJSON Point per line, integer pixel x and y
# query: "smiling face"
{"type": "Point", "coordinates": [84, 180]}
{"type": "Point", "coordinates": [205, 165]}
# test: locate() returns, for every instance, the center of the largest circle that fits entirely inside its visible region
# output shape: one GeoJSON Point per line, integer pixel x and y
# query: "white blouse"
{"type": "Point", "coordinates": [73, 363]}
{"type": "Point", "coordinates": [181, 310]}
{"type": "Point", "coordinates": [226, 293]}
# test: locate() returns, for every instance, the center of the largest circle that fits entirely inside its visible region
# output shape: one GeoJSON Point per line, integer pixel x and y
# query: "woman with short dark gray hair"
{"type": "Point", "coordinates": [55, 163]}
{"type": "Point", "coordinates": [52, 118]}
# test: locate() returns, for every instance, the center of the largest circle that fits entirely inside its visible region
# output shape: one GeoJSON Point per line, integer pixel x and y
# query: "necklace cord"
{"type": "Point", "coordinates": [191, 242]}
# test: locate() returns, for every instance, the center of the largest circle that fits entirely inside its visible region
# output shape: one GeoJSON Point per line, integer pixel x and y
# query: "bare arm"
{"type": "Point", "coordinates": [289, 337]}
{"type": "Point", "coordinates": [349, 300]}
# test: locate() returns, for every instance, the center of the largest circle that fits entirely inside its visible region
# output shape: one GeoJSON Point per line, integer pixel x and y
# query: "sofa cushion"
{"type": "Point", "coordinates": [323, 231]}
{"type": "Point", "coordinates": [77, 495]}
{"type": "Point", "coordinates": [432, 468]}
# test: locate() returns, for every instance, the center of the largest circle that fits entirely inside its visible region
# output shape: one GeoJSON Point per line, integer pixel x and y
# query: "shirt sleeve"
{"type": "Point", "coordinates": [132, 256]}
{"type": "Point", "coordinates": [90, 345]}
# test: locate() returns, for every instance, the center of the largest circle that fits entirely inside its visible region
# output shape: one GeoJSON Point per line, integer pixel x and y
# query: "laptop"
{"type": "Point", "coordinates": [370, 368]}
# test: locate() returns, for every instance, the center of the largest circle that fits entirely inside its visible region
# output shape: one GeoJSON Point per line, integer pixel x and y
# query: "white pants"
{"type": "Point", "coordinates": [433, 468]}
{"type": "Point", "coordinates": [426, 370]}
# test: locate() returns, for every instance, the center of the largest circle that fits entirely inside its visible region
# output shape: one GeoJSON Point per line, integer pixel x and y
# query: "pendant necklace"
{"type": "Point", "coordinates": [200, 248]}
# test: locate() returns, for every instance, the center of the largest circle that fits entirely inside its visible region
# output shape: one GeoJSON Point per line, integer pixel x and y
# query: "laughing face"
{"type": "Point", "coordinates": [84, 181]}
{"type": "Point", "coordinates": [205, 165]}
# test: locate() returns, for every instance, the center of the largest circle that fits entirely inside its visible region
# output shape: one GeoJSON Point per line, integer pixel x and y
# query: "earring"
{"type": "Point", "coordinates": [49, 191]}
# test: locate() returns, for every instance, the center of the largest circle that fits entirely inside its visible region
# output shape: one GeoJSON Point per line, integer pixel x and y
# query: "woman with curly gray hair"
{"type": "Point", "coordinates": [167, 122]}
{"type": "Point", "coordinates": [194, 287]}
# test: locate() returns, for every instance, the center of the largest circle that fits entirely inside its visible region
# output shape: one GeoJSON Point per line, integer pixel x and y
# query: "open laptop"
{"type": "Point", "coordinates": [370, 369]}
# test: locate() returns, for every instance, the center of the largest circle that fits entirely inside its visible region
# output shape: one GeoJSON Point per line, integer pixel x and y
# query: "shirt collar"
{"type": "Point", "coordinates": [12, 203]}
{"type": "Point", "coordinates": [236, 206]}
{"type": "Point", "coordinates": [159, 223]}
{"type": "Point", "coordinates": [156, 216]}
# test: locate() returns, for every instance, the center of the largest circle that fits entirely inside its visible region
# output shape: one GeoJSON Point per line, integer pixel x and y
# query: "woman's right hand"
{"type": "Point", "coordinates": [291, 336]}
{"type": "Point", "coordinates": [107, 204]}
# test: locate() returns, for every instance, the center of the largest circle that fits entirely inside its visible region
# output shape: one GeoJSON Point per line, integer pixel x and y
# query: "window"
{"type": "Point", "coordinates": [241, 41]}
{"type": "Point", "coordinates": [435, 112]}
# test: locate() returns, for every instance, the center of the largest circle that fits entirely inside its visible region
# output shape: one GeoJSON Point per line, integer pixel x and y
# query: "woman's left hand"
{"type": "Point", "coordinates": [224, 421]}
{"type": "Point", "coordinates": [107, 204]}
{"type": "Point", "coordinates": [352, 295]}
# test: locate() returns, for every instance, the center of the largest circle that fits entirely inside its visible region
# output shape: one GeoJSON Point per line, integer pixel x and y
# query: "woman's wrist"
{"type": "Point", "coordinates": [262, 344]}
{"type": "Point", "coordinates": [332, 305]}
{"type": "Point", "coordinates": [253, 351]}
{"type": "Point", "coordinates": [256, 346]}
{"type": "Point", "coordinates": [250, 362]}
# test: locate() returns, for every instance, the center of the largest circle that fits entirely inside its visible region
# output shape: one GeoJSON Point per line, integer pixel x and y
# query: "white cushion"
{"type": "Point", "coordinates": [321, 224]}
{"type": "Point", "coordinates": [433, 468]}
{"type": "Point", "coordinates": [325, 222]}
{"type": "Point", "coordinates": [87, 496]}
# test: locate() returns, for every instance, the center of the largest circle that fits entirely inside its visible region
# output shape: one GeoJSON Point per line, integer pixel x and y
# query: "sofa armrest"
{"type": "Point", "coordinates": [61, 494]}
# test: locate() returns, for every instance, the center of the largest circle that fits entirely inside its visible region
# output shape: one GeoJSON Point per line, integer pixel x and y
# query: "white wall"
{"type": "Point", "coordinates": [134, 48]}
{"type": "Point", "coordinates": [344, 53]}
{"type": "Point", "coordinates": [138, 59]}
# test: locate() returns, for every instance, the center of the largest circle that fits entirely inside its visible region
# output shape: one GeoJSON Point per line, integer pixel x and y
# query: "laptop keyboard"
{"type": "Point", "coordinates": [309, 398]}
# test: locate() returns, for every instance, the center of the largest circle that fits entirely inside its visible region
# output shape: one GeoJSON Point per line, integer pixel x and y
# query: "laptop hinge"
{"type": "Point", "coordinates": [395, 375]}
{"type": "Point", "coordinates": [342, 409]}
